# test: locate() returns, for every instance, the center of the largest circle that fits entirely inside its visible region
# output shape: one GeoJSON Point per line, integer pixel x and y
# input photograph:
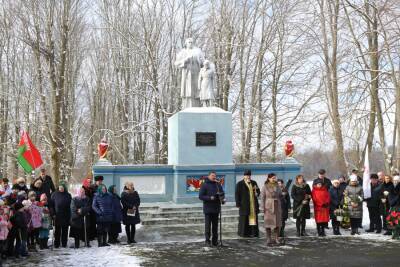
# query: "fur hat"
{"type": "Point", "coordinates": [20, 180]}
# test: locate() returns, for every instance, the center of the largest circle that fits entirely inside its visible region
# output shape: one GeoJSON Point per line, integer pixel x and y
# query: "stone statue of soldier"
{"type": "Point", "coordinates": [190, 60]}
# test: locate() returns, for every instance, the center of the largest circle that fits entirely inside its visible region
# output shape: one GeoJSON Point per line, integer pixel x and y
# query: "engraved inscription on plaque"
{"type": "Point", "coordinates": [206, 138]}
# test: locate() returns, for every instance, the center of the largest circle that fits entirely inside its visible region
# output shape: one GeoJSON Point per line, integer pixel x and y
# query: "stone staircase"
{"type": "Point", "coordinates": [169, 214]}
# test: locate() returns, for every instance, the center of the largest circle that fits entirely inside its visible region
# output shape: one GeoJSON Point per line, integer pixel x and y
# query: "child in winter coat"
{"type": "Point", "coordinates": [35, 222]}
{"type": "Point", "coordinates": [46, 225]}
{"type": "Point", "coordinates": [20, 223]}
{"type": "Point", "coordinates": [4, 227]}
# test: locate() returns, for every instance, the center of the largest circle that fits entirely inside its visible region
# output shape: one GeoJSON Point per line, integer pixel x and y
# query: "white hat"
{"type": "Point", "coordinates": [26, 203]}
{"type": "Point", "coordinates": [353, 178]}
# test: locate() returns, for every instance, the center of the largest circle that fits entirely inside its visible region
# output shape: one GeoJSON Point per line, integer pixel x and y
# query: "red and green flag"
{"type": "Point", "coordinates": [28, 156]}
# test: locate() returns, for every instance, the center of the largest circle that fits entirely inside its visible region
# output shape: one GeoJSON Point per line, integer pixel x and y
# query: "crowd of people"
{"type": "Point", "coordinates": [339, 201]}
{"type": "Point", "coordinates": [28, 214]}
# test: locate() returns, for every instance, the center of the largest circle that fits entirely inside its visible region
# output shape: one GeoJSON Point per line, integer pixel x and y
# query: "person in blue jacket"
{"type": "Point", "coordinates": [212, 195]}
{"type": "Point", "coordinates": [115, 227]}
{"type": "Point", "coordinates": [103, 207]}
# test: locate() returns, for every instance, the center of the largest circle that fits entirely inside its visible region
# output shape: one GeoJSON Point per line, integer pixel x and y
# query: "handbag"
{"type": "Point", "coordinates": [131, 212]}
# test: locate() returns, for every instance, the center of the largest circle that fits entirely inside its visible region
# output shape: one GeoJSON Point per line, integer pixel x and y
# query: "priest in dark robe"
{"type": "Point", "coordinates": [246, 194]}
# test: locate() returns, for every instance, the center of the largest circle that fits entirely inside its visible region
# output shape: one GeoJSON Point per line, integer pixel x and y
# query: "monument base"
{"type": "Point", "coordinates": [180, 183]}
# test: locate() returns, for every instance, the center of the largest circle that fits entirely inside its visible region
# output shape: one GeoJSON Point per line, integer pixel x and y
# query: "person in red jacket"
{"type": "Point", "coordinates": [321, 200]}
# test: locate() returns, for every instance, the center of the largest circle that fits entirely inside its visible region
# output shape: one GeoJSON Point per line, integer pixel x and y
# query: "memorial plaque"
{"type": "Point", "coordinates": [206, 139]}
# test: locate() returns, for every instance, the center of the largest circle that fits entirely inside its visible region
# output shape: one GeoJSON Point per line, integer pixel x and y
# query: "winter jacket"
{"type": "Point", "coordinates": [298, 194]}
{"type": "Point", "coordinates": [48, 186]}
{"type": "Point", "coordinates": [103, 207]}
{"type": "Point", "coordinates": [388, 187]}
{"type": "Point", "coordinates": [271, 197]}
{"type": "Point", "coordinates": [6, 191]}
{"type": "Point", "coordinates": [325, 182]}
{"type": "Point", "coordinates": [129, 200]}
{"type": "Point", "coordinates": [36, 215]}
{"type": "Point", "coordinates": [355, 197]}
{"type": "Point", "coordinates": [20, 223]}
{"type": "Point", "coordinates": [77, 219]}
{"type": "Point", "coordinates": [336, 195]}
{"type": "Point", "coordinates": [61, 203]}
{"type": "Point", "coordinates": [285, 202]}
{"type": "Point", "coordinates": [394, 197]}
{"type": "Point", "coordinates": [208, 190]}
{"type": "Point", "coordinates": [46, 218]}
{"type": "Point", "coordinates": [321, 199]}
{"type": "Point", "coordinates": [242, 197]}
{"type": "Point", "coordinates": [117, 209]}
{"type": "Point", "coordinates": [375, 200]}
{"type": "Point", "coordinates": [3, 227]}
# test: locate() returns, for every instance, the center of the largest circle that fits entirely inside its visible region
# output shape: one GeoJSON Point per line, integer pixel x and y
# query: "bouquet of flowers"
{"type": "Point", "coordinates": [393, 220]}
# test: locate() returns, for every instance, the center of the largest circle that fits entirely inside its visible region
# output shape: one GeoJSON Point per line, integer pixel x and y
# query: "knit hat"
{"type": "Point", "coordinates": [63, 184]}
{"type": "Point", "coordinates": [111, 189]}
{"type": "Point", "coordinates": [26, 203]}
{"type": "Point", "coordinates": [99, 178]}
{"type": "Point", "coordinates": [353, 178]}
{"type": "Point", "coordinates": [43, 197]}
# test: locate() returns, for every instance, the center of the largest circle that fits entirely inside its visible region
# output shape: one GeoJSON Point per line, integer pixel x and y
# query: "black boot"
{"type": "Point", "coordinates": [319, 230]}
{"type": "Point", "coordinates": [298, 225]}
{"type": "Point", "coordinates": [77, 243]}
{"type": "Point", "coordinates": [100, 240]}
{"type": "Point", "coordinates": [41, 244]}
{"type": "Point", "coordinates": [282, 231]}
{"type": "Point", "coordinates": [105, 244]}
{"type": "Point", "coordinates": [323, 230]}
{"type": "Point", "coordinates": [133, 232]}
{"type": "Point", "coordinates": [303, 228]}
{"type": "Point", "coordinates": [128, 234]}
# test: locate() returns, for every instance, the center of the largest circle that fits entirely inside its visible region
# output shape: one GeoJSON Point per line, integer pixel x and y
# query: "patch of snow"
{"type": "Point", "coordinates": [204, 110]}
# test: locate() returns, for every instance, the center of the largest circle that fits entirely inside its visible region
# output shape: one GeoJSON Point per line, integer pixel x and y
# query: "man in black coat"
{"type": "Point", "coordinates": [212, 195]}
{"type": "Point", "coordinates": [62, 211]}
{"type": "Point", "coordinates": [47, 186]}
{"type": "Point", "coordinates": [322, 179]}
{"type": "Point", "coordinates": [336, 195]}
{"type": "Point", "coordinates": [374, 205]}
{"type": "Point", "coordinates": [248, 208]}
